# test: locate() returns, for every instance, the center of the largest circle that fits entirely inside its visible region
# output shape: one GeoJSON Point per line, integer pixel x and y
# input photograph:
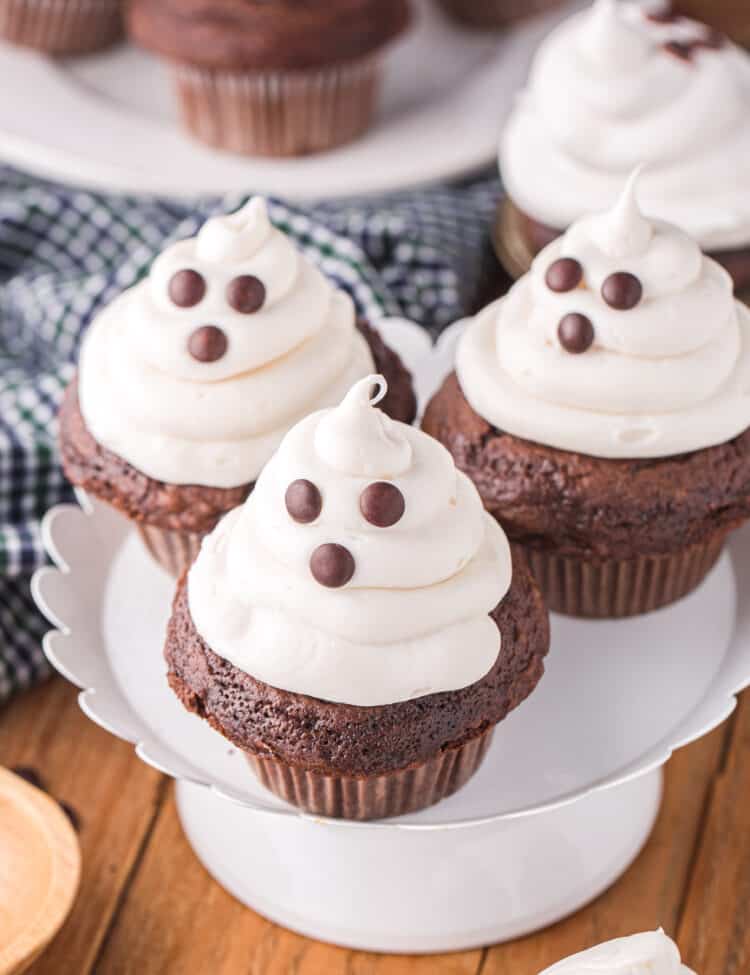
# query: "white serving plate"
{"type": "Point", "coordinates": [109, 121]}
{"type": "Point", "coordinates": [565, 798]}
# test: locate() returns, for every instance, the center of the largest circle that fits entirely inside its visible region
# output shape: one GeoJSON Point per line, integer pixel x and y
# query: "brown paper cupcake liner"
{"type": "Point", "coordinates": [489, 14]}
{"type": "Point", "coordinates": [512, 249]}
{"type": "Point", "coordinates": [378, 796]}
{"type": "Point", "coordinates": [613, 589]}
{"type": "Point", "coordinates": [61, 26]}
{"type": "Point", "coordinates": [278, 113]}
{"type": "Point", "coordinates": [174, 551]}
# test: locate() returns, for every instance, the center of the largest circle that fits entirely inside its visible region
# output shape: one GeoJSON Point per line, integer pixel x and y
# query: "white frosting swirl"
{"type": "Point", "coordinates": [412, 620]}
{"type": "Point", "coordinates": [650, 953]}
{"type": "Point", "coordinates": [184, 421]}
{"type": "Point", "coordinates": [604, 95]}
{"type": "Point", "coordinates": [670, 375]}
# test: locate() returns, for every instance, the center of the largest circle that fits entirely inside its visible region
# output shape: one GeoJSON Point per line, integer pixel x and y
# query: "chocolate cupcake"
{"type": "Point", "coordinates": [188, 381]}
{"type": "Point", "coordinates": [650, 953]}
{"type": "Point", "coordinates": [612, 88]}
{"type": "Point", "coordinates": [272, 79]}
{"type": "Point", "coordinates": [493, 14]}
{"type": "Point", "coordinates": [358, 626]}
{"type": "Point", "coordinates": [61, 26]}
{"type": "Point", "coordinates": [602, 410]}
{"type": "Point", "coordinates": [731, 17]}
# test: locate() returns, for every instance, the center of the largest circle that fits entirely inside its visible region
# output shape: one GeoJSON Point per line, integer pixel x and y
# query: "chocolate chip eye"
{"type": "Point", "coordinates": [207, 343]}
{"type": "Point", "coordinates": [382, 504]}
{"type": "Point", "coordinates": [332, 565]}
{"type": "Point", "coordinates": [186, 288]}
{"type": "Point", "coordinates": [564, 274]}
{"type": "Point", "coordinates": [575, 332]}
{"type": "Point", "coordinates": [246, 294]}
{"type": "Point", "coordinates": [622, 290]}
{"type": "Point", "coordinates": [303, 501]}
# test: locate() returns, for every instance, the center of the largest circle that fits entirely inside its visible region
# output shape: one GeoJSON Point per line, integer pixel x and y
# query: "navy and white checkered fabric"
{"type": "Point", "coordinates": [64, 253]}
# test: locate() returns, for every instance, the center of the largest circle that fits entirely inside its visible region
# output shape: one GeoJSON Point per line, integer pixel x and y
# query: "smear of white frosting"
{"type": "Point", "coordinates": [667, 376]}
{"type": "Point", "coordinates": [650, 953]}
{"type": "Point", "coordinates": [179, 420]}
{"type": "Point", "coordinates": [413, 619]}
{"type": "Point", "coordinates": [603, 95]}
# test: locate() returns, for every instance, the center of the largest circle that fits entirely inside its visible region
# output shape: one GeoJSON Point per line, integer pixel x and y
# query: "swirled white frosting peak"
{"type": "Point", "coordinates": [665, 372]}
{"type": "Point", "coordinates": [650, 953]}
{"type": "Point", "coordinates": [195, 374]}
{"type": "Point", "coordinates": [610, 88]}
{"type": "Point", "coordinates": [401, 607]}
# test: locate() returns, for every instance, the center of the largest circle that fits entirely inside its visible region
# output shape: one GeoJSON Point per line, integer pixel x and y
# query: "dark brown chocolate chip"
{"type": "Point", "coordinates": [564, 274]}
{"type": "Point", "coordinates": [382, 504]}
{"type": "Point", "coordinates": [30, 775]}
{"type": "Point", "coordinates": [332, 565]}
{"type": "Point", "coordinates": [576, 333]}
{"type": "Point", "coordinates": [622, 290]}
{"type": "Point", "coordinates": [303, 501]}
{"type": "Point", "coordinates": [207, 343]}
{"type": "Point", "coordinates": [246, 294]}
{"type": "Point", "coordinates": [187, 288]}
{"type": "Point", "coordinates": [72, 814]}
{"type": "Point", "coordinates": [679, 50]}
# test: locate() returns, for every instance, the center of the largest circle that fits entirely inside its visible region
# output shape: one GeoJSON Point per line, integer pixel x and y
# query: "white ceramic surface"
{"type": "Point", "coordinates": [109, 121]}
{"type": "Point", "coordinates": [566, 796]}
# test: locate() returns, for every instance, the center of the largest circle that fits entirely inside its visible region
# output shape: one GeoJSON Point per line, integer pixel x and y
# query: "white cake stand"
{"type": "Point", "coordinates": [565, 799]}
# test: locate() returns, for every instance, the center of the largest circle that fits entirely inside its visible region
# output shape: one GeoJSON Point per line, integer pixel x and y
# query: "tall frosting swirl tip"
{"type": "Point", "coordinates": [356, 438]}
{"type": "Point", "coordinates": [606, 38]}
{"type": "Point", "coordinates": [235, 236]}
{"type": "Point", "coordinates": [624, 231]}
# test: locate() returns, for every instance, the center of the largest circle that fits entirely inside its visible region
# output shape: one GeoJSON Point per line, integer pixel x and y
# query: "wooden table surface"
{"type": "Point", "coordinates": [147, 906]}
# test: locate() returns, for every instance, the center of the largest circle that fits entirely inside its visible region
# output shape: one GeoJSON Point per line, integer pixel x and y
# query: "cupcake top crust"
{"type": "Point", "coordinates": [266, 35]}
{"type": "Point", "coordinates": [650, 953]}
{"type": "Point", "coordinates": [194, 375]}
{"type": "Point", "coordinates": [622, 341]}
{"type": "Point", "coordinates": [362, 569]}
{"type": "Point", "coordinates": [619, 85]}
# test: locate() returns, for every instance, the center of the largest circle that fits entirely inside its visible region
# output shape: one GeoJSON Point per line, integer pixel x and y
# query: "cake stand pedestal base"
{"type": "Point", "coordinates": [403, 890]}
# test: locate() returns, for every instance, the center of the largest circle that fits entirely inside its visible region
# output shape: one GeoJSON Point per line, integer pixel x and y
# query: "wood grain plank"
{"type": "Point", "coordinates": [714, 930]}
{"type": "Point", "coordinates": [113, 794]}
{"type": "Point", "coordinates": [651, 892]}
{"type": "Point", "coordinates": [177, 919]}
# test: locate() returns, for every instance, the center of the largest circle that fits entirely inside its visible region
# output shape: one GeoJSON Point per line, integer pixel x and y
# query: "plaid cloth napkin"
{"type": "Point", "coordinates": [64, 253]}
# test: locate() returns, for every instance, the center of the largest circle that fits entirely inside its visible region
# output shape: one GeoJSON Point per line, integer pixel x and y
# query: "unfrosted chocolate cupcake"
{"type": "Point", "coordinates": [602, 410]}
{"type": "Point", "coordinates": [493, 14]}
{"type": "Point", "coordinates": [272, 79]}
{"type": "Point", "coordinates": [188, 381]}
{"type": "Point", "coordinates": [61, 26]}
{"type": "Point", "coordinates": [358, 627]}
{"type": "Point", "coordinates": [613, 88]}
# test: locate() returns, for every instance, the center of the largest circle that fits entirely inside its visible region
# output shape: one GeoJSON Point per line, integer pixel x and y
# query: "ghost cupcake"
{"type": "Point", "coordinates": [602, 410]}
{"type": "Point", "coordinates": [650, 953]}
{"type": "Point", "coordinates": [188, 381]}
{"type": "Point", "coordinates": [358, 627]}
{"type": "Point", "coordinates": [613, 87]}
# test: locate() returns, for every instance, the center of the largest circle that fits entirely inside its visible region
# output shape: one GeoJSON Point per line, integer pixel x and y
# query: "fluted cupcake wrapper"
{"type": "Point", "coordinates": [491, 14]}
{"type": "Point", "coordinates": [377, 796]}
{"type": "Point", "coordinates": [174, 551]}
{"type": "Point", "coordinates": [512, 249]}
{"type": "Point", "coordinates": [61, 26]}
{"type": "Point", "coordinates": [278, 113]}
{"type": "Point", "coordinates": [612, 589]}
